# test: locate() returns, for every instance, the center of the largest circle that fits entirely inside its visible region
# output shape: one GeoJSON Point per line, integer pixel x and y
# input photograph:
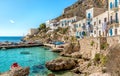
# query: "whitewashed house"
{"type": "Point", "coordinates": [68, 21]}
{"type": "Point", "coordinates": [53, 24]}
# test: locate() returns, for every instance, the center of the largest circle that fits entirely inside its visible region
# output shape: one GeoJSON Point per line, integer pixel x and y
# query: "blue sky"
{"type": "Point", "coordinates": [18, 16]}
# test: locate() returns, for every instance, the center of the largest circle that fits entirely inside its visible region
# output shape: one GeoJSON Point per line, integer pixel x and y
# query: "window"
{"type": "Point", "coordinates": [99, 21]}
{"type": "Point", "coordinates": [83, 24]}
{"type": "Point", "coordinates": [94, 32]}
{"type": "Point", "coordinates": [76, 26]}
{"type": "Point", "coordinates": [105, 19]}
{"type": "Point", "coordinates": [88, 23]}
{"type": "Point", "coordinates": [99, 33]}
{"type": "Point", "coordinates": [62, 24]}
{"type": "Point", "coordinates": [79, 25]}
{"type": "Point", "coordinates": [111, 19]}
{"type": "Point", "coordinates": [116, 17]}
{"type": "Point", "coordinates": [115, 31]}
{"type": "Point", "coordinates": [94, 23]}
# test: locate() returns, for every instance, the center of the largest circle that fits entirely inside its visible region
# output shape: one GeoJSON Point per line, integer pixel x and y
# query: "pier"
{"type": "Point", "coordinates": [19, 46]}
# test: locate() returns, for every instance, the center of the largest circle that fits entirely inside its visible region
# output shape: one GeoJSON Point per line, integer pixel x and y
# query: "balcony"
{"type": "Point", "coordinates": [89, 19]}
{"type": "Point", "coordinates": [115, 9]}
{"type": "Point", "coordinates": [111, 24]}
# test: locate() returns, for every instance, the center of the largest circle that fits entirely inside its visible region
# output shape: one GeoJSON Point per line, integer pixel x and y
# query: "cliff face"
{"type": "Point", "coordinates": [79, 8]}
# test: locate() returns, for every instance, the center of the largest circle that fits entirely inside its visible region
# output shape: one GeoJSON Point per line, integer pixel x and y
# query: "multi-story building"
{"type": "Point", "coordinates": [53, 24]}
{"type": "Point", "coordinates": [68, 21]}
{"type": "Point", "coordinates": [100, 21]}
{"type": "Point", "coordinates": [80, 27]}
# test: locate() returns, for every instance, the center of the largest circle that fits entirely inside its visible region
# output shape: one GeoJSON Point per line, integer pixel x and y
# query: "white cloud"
{"type": "Point", "coordinates": [12, 21]}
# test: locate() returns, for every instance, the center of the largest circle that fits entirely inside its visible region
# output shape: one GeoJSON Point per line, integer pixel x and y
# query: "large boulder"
{"type": "Point", "coordinates": [61, 64]}
{"type": "Point", "coordinates": [20, 72]}
{"type": "Point", "coordinates": [17, 72]}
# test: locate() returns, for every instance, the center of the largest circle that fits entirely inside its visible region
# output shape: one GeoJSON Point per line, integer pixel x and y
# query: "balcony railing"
{"type": "Point", "coordinates": [115, 9]}
{"type": "Point", "coordinates": [113, 23]}
{"type": "Point", "coordinates": [89, 19]}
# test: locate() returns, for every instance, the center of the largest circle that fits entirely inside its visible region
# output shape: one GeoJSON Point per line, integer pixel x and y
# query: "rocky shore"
{"type": "Point", "coordinates": [78, 64]}
{"type": "Point", "coordinates": [61, 64]}
{"type": "Point", "coordinates": [17, 72]}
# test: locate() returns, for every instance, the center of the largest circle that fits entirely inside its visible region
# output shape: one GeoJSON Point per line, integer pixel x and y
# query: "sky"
{"type": "Point", "coordinates": [18, 16]}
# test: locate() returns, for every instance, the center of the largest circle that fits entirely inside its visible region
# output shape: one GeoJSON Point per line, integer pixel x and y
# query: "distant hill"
{"type": "Point", "coordinates": [79, 8]}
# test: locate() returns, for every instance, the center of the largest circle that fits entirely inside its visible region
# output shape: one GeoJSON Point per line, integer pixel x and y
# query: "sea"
{"type": "Point", "coordinates": [11, 38]}
{"type": "Point", "coordinates": [33, 57]}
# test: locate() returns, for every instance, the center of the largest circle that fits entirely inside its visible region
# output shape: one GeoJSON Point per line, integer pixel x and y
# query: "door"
{"type": "Point", "coordinates": [116, 3]}
{"type": "Point", "coordinates": [115, 31]}
{"type": "Point", "coordinates": [116, 16]}
{"type": "Point", "coordinates": [111, 19]}
{"type": "Point", "coordinates": [111, 32]}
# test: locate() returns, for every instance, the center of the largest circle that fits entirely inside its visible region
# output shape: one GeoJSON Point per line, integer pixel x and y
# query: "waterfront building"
{"type": "Point", "coordinates": [98, 22]}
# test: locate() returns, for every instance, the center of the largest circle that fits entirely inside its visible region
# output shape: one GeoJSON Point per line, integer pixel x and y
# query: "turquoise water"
{"type": "Point", "coordinates": [35, 57]}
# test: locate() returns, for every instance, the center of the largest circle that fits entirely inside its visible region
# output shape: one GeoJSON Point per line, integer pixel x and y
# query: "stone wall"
{"type": "Point", "coordinates": [113, 40]}
{"type": "Point", "coordinates": [90, 46]}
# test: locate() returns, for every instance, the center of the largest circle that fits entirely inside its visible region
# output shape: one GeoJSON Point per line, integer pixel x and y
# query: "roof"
{"type": "Point", "coordinates": [98, 11]}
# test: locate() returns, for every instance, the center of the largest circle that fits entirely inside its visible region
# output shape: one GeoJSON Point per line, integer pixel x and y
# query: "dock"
{"type": "Point", "coordinates": [20, 46]}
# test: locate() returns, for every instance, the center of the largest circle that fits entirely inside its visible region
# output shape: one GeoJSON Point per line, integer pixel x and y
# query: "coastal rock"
{"type": "Point", "coordinates": [51, 75]}
{"type": "Point", "coordinates": [76, 55]}
{"type": "Point", "coordinates": [70, 48]}
{"type": "Point", "coordinates": [17, 72]}
{"type": "Point", "coordinates": [100, 74]}
{"type": "Point", "coordinates": [61, 64]}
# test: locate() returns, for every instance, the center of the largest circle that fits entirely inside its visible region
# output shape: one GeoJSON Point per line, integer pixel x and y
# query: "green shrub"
{"type": "Point", "coordinates": [103, 60]}
{"type": "Point", "coordinates": [104, 46]}
{"type": "Point", "coordinates": [89, 64]}
{"type": "Point", "coordinates": [100, 59]}
{"type": "Point", "coordinates": [97, 58]}
{"type": "Point", "coordinates": [92, 43]}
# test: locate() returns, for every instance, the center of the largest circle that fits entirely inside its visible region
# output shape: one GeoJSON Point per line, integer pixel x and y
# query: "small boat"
{"type": "Point", "coordinates": [24, 52]}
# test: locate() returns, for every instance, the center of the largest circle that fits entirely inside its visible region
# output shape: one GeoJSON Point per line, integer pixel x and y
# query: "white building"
{"type": "Point", "coordinates": [53, 24]}
{"type": "Point", "coordinates": [100, 22]}
{"type": "Point", "coordinates": [80, 27]}
{"type": "Point", "coordinates": [68, 21]}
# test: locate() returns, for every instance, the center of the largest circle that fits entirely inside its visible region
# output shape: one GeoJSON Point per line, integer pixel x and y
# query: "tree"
{"type": "Point", "coordinates": [42, 26]}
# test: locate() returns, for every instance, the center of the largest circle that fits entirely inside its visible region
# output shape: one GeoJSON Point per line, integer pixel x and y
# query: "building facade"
{"type": "Point", "coordinates": [53, 24]}
{"type": "Point", "coordinates": [98, 21]}
{"type": "Point", "coordinates": [33, 31]}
